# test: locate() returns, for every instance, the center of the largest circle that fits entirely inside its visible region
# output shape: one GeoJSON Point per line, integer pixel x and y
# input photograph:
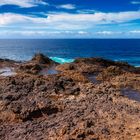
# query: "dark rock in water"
{"type": "Point", "coordinates": [41, 59]}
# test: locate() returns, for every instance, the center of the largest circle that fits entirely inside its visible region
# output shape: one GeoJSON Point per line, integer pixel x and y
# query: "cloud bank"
{"type": "Point", "coordinates": [22, 3]}
{"type": "Point", "coordinates": [40, 17]}
{"type": "Point", "coordinates": [135, 2]}
{"type": "Point", "coordinates": [67, 6]}
{"type": "Point", "coordinates": [67, 20]}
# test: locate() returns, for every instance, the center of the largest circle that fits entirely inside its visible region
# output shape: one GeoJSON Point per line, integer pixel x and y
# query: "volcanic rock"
{"type": "Point", "coordinates": [41, 59]}
{"type": "Point", "coordinates": [67, 105]}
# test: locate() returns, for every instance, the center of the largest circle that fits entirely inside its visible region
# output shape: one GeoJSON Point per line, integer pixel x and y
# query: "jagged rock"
{"type": "Point", "coordinates": [41, 59]}
{"type": "Point", "coordinates": [36, 65]}
{"type": "Point", "coordinates": [101, 61]}
{"type": "Point", "coordinates": [67, 105]}
{"type": "Point", "coordinates": [110, 72]}
{"type": "Point", "coordinates": [30, 68]}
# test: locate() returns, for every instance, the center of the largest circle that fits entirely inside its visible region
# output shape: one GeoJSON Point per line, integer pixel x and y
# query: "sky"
{"type": "Point", "coordinates": [69, 18]}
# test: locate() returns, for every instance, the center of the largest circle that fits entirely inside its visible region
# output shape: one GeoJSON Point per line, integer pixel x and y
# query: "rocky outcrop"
{"type": "Point", "coordinates": [110, 72]}
{"type": "Point", "coordinates": [102, 62]}
{"type": "Point", "coordinates": [30, 68]}
{"type": "Point", "coordinates": [68, 105]}
{"type": "Point", "coordinates": [36, 64]}
{"type": "Point", "coordinates": [95, 65]}
{"type": "Point", "coordinates": [41, 59]}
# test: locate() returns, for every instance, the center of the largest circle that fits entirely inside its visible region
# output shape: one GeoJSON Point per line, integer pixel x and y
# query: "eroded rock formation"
{"type": "Point", "coordinates": [69, 105]}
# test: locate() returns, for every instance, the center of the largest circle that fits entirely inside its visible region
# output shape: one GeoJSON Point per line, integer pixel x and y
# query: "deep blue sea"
{"type": "Point", "coordinates": [65, 50]}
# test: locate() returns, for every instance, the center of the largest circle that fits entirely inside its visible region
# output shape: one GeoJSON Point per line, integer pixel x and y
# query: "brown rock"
{"type": "Point", "coordinates": [41, 59]}
{"type": "Point", "coordinates": [68, 106]}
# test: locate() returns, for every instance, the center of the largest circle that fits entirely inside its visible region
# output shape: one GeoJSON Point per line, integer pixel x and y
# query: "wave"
{"type": "Point", "coordinates": [61, 60]}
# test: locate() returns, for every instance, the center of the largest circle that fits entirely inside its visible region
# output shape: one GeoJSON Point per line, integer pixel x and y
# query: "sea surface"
{"type": "Point", "coordinates": [66, 50]}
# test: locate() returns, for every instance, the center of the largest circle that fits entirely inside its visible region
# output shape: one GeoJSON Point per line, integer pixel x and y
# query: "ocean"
{"type": "Point", "coordinates": [66, 50]}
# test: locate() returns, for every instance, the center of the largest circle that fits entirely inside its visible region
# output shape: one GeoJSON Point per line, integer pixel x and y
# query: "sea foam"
{"type": "Point", "coordinates": [61, 60]}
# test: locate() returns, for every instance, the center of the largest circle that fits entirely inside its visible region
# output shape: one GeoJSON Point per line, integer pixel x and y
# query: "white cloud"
{"type": "Point", "coordinates": [98, 17]}
{"type": "Point", "coordinates": [135, 2]}
{"type": "Point", "coordinates": [22, 3]}
{"type": "Point", "coordinates": [105, 32]}
{"type": "Point", "coordinates": [135, 32]}
{"type": "Point", "coordinates": [84, 21]}
{"type": "Point", "coordinates": [65, 34]}
{"type": "Point", "coordinates": [82, 32]}
{"type": "Point", "coordinates": [65, 21]}
{"type": "Point", "coordinates": [36, 33]}
{"type": "Point", "coordinates": [67, 6]}
{"type": "Point", "coordinates": [40, 34]}
{"type": "Point", "coordinates": [108, 32]}
{"type": "Point", "coordinates": [10, 18]}
{"type": "Point", "coordinates": [86, 11]}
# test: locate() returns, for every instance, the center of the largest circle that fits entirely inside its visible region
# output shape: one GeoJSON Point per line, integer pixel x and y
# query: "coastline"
{"type": "Point", "coordinates": [89, 98]}
{"type": "Point", "coordinates": [23, 50]}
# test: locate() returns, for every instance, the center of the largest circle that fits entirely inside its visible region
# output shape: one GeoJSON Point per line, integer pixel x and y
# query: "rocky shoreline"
{"type": "Point", "coordinates": [88, 99]}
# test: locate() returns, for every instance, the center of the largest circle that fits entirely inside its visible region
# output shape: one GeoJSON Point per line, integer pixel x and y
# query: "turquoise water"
{"type": "Point", "coordinates": [66, 50]}
{"type": "Point", "coordinates": [61, 60]}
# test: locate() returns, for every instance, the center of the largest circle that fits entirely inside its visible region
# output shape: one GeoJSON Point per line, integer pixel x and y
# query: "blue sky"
{"type": "Point", "coordinates": [69, 18]}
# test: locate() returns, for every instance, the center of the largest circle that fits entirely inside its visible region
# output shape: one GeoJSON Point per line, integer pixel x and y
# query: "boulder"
{"type": "Point", "coordinates": [42, 59]}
